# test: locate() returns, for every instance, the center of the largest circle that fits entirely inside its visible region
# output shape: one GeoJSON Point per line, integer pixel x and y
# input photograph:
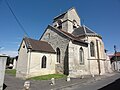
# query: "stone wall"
{"type": "Point", "coordinates": [57, 40]}
{"type": "Point", "coordinates": [95, 64]}
{"type": "Point", "coordinates": [75, 68]}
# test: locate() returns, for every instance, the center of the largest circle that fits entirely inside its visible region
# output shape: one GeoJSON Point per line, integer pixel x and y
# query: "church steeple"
{"type": "Point", "coordinates": [67, 21]}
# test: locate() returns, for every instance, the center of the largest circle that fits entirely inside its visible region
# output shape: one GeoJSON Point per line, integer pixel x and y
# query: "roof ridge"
{"type": "Point", "coordinates": [71, 37]}
{"type": "Point", "coordinates": [60, 15]}
{"type": "Point", "coordinates": [90, 29]}
{"type": "Point", "coordinates": [64, 12]}
{"type": "Point", "coordinates": [43, 41]}
{"type": "Point", "coordinates": [61, 31]}
{"type": "Point", "coordinates": [28, 42]}
{"type": "Point", "coordinates": [84, 29]}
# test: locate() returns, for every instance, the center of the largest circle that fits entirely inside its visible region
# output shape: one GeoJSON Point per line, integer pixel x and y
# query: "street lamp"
{"type": "Point", "coordinates": [115, 56]}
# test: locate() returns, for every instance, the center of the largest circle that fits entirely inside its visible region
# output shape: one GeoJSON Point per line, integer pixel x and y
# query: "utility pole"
{"type": "Point", "coordinates": [115, 56]}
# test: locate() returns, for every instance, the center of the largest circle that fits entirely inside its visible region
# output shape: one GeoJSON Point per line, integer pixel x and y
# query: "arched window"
{"type": "Point", "coordinates": [44, 59]}
{"type": "Point", "coordinates": [81, 53]}
{"type": "Point", "coordinates": [58, 55]}
{"type": "Point", "coordinates": [59, 24]}
{"type": "Point", "coordinates": [92, 49]}
{"type": "Point", "coordinates": [75, 25]}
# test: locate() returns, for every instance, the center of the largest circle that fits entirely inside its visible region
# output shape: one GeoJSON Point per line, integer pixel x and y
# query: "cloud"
{"type": "Point", "coordinates": [10, 53]}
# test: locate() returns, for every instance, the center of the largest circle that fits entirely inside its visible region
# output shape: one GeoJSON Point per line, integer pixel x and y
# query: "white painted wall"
{"type": "Point", "coordinates": [14, 63]}
{"type": "Point", "coordinates": [3, 60]}
{"type": "Point", "coordinates": [22, 63]}
{"type": "Point", "coordinates": [29, 63]}
{"type": "Point", "coordinates": [116, 66]}
{"type": "Point", "coordinates": [35, 64]}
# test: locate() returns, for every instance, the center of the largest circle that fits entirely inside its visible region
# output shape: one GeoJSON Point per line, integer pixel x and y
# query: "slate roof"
{"type": "Point", "coordinates": [68, 35]}
{"type": "Point", "coordinates": [62, 14]}
{"type": "Point", "coordinates": [83, 30]}
{"type": "Point", "coordinates": [37, 45]}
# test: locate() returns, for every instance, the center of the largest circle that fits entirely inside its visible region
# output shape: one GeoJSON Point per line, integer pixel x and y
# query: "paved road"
{"type": "Point", "coordinates": [110, 83]}
{"type": "Point", "coordinates": [88, 83]}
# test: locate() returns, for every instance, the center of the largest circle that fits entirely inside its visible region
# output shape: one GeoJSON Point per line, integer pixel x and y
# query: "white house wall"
{"type": "Point", "coordinates": [14, 63]}
{"type": "Point", "coordinates": [3, 59]}
{"type": "Point", "coordinates": [108, 66]}
{"type": "Point", "coordinates": [35, 64]}
{"type": "Point", "coordinates": [116, 66]}
{"type": "Point", "coordinates": [22, 61]}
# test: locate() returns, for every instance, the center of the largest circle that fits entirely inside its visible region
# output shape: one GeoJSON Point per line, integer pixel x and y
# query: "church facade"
{"type": "Point", "coordinates": [66, 47]}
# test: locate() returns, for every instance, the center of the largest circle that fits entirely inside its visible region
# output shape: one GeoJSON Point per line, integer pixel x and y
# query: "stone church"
{"type": "Point", "coordinates": [65, 47]}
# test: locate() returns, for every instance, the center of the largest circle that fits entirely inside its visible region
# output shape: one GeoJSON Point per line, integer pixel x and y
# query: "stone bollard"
{"type": "Point", "coordinates": [93, 75]}
{"type": "Point", "coordinates": [52, 81]}
{"type": "Point", "coordinates": [27, 85]}
{"type": "Point", "coordinates": [82, 76]}
{"type": "Point", "coordinates": [68, 78]}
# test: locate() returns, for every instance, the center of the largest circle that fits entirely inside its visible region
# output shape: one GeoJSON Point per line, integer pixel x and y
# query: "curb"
{"type": "Point", "coordinates": [86, 81]}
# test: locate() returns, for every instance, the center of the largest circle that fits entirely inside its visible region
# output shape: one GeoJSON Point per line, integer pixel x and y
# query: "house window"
{"type": "Point", "coordinates": [58, 55]}
{"type": "Point", "coordinates": [92, 49]}
{"type": "Point", "coordinates": [81, 53]}
{"type": "Point", "coordinates": [44, 59]}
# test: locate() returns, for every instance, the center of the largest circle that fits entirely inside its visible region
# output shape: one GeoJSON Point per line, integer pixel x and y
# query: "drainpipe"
{"type": "Point", "coordinates": [116, 67]}
{"type": "Point", "coordinates": [98, 60]}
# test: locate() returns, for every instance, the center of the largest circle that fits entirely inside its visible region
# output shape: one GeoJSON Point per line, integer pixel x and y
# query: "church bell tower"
{"type": "Point", "coordinates": [67, 21]}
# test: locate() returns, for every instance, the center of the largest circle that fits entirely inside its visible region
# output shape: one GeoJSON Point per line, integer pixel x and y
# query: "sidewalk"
{"type": "Point", "coordinates": [17, 84]}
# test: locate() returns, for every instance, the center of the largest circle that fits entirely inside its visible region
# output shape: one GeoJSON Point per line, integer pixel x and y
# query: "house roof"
{"type": "Point", "coordinates": [37, 45]}
{"type": "Point", "coordinates": [117, 54]}
{"type": "Point", "coordinates": [84, 30]}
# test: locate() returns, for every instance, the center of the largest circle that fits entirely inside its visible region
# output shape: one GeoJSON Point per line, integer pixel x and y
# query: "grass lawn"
{"type": "Point", "coordinates": [48, 77]}
{"type": "Point", "coordinates": [10, 72]}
